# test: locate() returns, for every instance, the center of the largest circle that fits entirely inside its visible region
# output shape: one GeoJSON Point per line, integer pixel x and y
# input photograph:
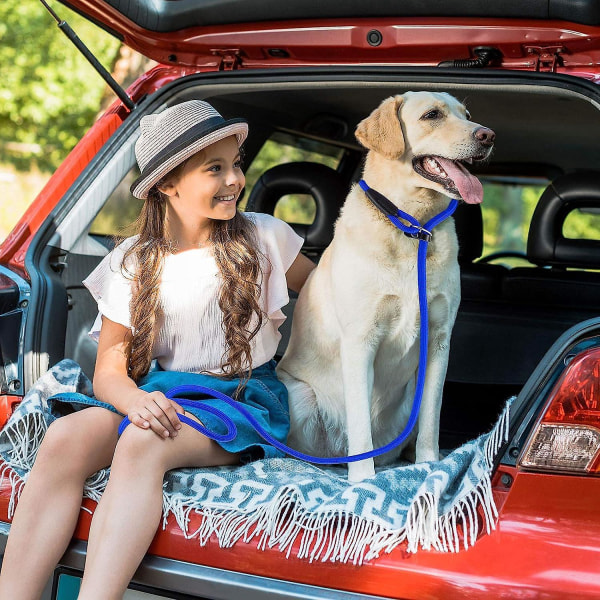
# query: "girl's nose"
{"type": "Point", "coordinates": [235, 176]}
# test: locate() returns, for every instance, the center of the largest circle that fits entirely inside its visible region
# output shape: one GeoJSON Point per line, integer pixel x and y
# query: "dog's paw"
{"type": "Point", "coordinates": [428, 455]}
{"type": "Point", "coordinates": [358, 471]}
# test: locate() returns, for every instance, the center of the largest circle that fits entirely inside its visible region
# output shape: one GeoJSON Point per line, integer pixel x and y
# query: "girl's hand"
{"type": "Point", "coordinates": [153, 410]}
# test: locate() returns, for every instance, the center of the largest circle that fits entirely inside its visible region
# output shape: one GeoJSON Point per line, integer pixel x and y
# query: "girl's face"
{"type": "Point", "coordinates": [209, 184]}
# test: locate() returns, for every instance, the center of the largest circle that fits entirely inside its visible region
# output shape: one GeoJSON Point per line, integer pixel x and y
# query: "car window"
{"type": "Point", "coordinates": [120, 210]}
{"type": "Point", "coordinates": [283, 148]}
{"type": "Point", "coordinates": [507, 208]}
{"type": "Point", "coordinates": [582, 223]}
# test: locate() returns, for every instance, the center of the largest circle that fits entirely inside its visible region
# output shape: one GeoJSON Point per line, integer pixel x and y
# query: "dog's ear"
{"type": "Point", "coordinates": [381, 130]}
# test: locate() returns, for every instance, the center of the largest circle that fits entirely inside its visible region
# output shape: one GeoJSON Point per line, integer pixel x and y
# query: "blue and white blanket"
{"type": "Point", "coordinates": [440, 505]}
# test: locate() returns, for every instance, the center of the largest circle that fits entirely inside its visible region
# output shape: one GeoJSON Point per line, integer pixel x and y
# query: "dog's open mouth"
{"type": "Point", "coordinates": [452, 174]}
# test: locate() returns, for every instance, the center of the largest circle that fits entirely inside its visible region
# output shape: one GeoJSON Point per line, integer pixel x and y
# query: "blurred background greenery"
{"type": "Point", "coordinates": [50, 96]}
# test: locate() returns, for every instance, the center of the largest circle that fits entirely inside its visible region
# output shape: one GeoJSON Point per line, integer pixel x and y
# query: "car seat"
{"type": "Point", "coordinates": [323, 183]}
{"type": "Point", "coordinates": [478, 280]}
{"type": "Point", "coordinates": [556, 283]}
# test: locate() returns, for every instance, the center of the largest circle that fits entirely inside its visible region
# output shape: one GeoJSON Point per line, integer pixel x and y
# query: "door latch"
{"type": "Point", "coordinates": [231, 59]}
{"type": "Point", "coordinates": [546, 58]}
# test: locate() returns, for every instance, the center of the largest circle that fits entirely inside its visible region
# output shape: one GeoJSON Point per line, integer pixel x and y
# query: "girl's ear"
{"type": "Point", "coordinates": [168, 188]}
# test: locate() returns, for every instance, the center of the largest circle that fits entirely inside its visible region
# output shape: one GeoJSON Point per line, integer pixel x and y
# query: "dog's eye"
{"type": "Point", "coordinates": [468, 115]}
{"type": "Point", "coordinates": [433, 114]}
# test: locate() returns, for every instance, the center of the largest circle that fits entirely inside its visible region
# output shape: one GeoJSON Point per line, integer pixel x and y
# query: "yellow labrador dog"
{"type": "Point", "coordinates": [352, 359]}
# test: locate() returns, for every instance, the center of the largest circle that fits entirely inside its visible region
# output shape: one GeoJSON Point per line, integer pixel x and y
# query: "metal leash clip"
{"type": "Point", "coordinates": [421, 234]}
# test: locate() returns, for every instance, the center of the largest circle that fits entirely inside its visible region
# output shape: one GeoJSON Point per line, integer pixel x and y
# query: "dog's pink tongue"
{"type": "Point", "coordinates": [468, 185]}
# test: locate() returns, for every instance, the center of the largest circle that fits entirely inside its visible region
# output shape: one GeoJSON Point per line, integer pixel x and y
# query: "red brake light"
{"type": "Point", "coordinates": [567, 438]}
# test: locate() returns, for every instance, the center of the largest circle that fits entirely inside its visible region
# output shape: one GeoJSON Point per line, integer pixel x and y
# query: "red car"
{"type": "Point", "coordinates": [303, 74]}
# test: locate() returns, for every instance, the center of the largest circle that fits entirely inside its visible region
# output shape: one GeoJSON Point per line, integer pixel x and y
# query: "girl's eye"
{"type": "Point", "coordinates": [432, 114]}
{"type": "Point", "coordinates": [215, 168]}
{"type": "Point", "coordinates": [237, 164]}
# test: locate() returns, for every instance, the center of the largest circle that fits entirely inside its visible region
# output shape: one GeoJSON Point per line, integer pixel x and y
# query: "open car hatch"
{"type": "Point", "coordinates": [542, 35]}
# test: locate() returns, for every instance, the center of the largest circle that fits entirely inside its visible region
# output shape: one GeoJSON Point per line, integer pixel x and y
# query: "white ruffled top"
{"type": "Point", "coordinates": [190, 336]}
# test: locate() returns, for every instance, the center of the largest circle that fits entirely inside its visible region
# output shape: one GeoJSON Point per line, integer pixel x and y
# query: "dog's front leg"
{"type": "Point", "coordinates": [357, 374]}
{"type": "Point", "coordinates": [427, 446]}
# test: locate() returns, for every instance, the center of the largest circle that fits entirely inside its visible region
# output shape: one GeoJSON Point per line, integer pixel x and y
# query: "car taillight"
{"type": "Point", "coordinates": [567, 438]}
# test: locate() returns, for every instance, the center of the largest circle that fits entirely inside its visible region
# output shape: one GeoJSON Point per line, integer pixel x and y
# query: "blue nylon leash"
{"type": "Point", "coordinates": [415, 230]}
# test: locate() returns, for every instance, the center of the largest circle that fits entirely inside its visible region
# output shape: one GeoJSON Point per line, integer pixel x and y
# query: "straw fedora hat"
{"type": "Point", "coordinates": [169, 137]}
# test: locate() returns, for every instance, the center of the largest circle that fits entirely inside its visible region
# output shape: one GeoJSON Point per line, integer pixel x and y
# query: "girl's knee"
{"type": "Point", "coordinates": [140, 447]}
{"type": "Point", "coordinates": [143, 450]}
{"type": "Point", "coordinates": [58, 440]}
{"type": "Point", "coordinates": [75, 440]}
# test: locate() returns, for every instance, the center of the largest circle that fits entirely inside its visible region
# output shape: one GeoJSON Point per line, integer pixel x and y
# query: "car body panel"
{"type": "Point", "coordinates": [168, 16]}
{"type": "Point", "coordinates": [527, 556]}
{"type": "Point", "coordinates": [406, 36]}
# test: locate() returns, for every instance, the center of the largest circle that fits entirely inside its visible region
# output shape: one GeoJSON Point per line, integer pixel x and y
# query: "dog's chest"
{"type": "Point", "coordinates": [396, 291]}
{"type": "Point", "coordinates": [376, 281]}
{"type": "Point", "coordinates": [396, 319]}
{"type": "Point", "coordinates": [394, 270]}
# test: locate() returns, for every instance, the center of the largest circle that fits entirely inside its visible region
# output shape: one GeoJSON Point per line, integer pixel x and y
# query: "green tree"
{"type": "Point", "coordinates": [49, 94]}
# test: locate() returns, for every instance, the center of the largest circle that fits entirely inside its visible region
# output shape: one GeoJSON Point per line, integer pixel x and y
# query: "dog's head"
{"type": "Point", "coordinates": [433, 133]}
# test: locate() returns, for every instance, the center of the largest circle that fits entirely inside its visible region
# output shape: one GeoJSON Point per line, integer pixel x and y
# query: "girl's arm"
{"type": "Point", "coordinates": [296, 275]}
{"type": "Point", "coordinates": [112, 384]}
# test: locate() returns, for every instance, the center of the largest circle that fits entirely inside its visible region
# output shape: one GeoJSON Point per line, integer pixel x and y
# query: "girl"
{"type": "Point", "coordinates": [200, 291]}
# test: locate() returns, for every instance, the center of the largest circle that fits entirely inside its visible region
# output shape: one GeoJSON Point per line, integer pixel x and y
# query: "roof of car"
{"type": "Point", "coordinates": [173, 15]}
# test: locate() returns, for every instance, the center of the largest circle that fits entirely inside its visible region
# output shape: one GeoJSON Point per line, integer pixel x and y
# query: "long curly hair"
{"type": "Point", "coordinates": [239, 262]}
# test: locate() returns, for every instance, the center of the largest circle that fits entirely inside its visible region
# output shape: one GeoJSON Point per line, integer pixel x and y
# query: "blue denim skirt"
{"type": "Point", "coordinates": [264, 397]}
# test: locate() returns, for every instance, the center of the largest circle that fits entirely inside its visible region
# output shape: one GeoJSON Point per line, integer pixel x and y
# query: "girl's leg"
{"type": "Point", "coordinates": [74, 447]}
{"type": "Point", "coordinates": [129, 512]}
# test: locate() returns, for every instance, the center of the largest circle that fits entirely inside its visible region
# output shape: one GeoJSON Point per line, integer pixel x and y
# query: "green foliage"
{"type": "Point", "coordinates": [582, 225]}
{"type": "Point", "coordinates": [50, 94]}
{"type": "Point", "coordinates": [507, 209]}
{"type": "Point", "coordinates": [17, 190]}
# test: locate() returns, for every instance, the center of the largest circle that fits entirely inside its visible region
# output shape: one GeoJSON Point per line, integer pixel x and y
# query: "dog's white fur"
{"type": "Point", "coordinates": [352, 358]}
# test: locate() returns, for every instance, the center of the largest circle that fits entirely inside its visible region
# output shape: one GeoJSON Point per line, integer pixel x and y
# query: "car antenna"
{"type": "Point", "coordinates": [66, 29]}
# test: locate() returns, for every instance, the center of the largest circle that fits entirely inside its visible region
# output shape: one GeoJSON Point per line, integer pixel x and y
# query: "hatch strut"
{"type": "Point", "coordinates": [66, 29]}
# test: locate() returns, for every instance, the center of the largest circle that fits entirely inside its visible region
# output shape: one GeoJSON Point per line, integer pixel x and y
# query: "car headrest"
{"type": "Point", "coordinates": [546, 245]}
{"type": "Point", "coordinates": [469, 230]}
{"type": "Point", "coordinates": [324, 184]}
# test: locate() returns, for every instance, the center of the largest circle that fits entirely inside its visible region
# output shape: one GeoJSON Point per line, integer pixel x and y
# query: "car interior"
{"type": "Point", "coordinates": [547, 131]}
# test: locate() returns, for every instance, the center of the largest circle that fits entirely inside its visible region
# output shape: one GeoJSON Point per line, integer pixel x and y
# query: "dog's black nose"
{"type": "Point", "coordinates": [485, 136]}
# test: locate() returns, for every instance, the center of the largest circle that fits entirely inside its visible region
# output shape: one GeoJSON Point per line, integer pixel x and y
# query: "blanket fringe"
{"type": "Point", "coordinates": [16, 487]}
{"type": "Point", "coordinates": [338, 536]}
{"type": "Point", "coordinates": [24, 439]}
{"type": "Point", "coordinates": [333, 535]}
